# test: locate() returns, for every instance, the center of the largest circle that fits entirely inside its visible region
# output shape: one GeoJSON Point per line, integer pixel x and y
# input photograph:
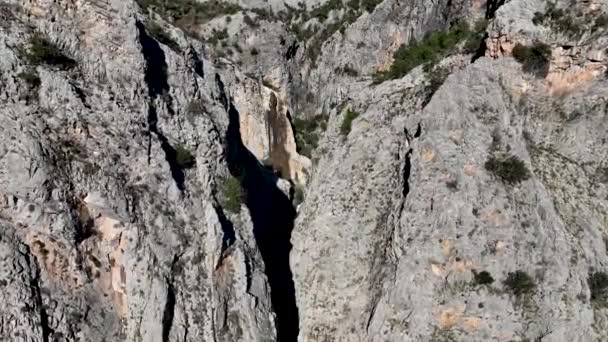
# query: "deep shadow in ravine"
{"type": "Point", "coordinates": [273, 217]}
{"type": "Point", "coordinates": [158, 86]}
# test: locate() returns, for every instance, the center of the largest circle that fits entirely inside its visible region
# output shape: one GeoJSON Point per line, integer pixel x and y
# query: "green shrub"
{"type": "Point", "coordinates": [353, 4]}
{"type": "Point", "coordinates": [307, 133]}
{"type": "Point", "coordinates": [289, 14]}
{"type": "Point", "coordinates": [322, 12]}
{"type": "Point", "coordinates": [310, 97]}
{"type": "Point", "coordinates": [436, 77]}
{"type": "Point", "coordinates": [519, 283]}
{"type": "Point", "coordinates": [598, 285]}
{"type": "Point", "coordinates": [601, 174]}
{"type": "Point", "coordinates": [534, 59]}
{"type": "Point", "coordinates": [184, 158]}
{"type": "Point", "coordinates": [263, 14]}
{"type": "Point", "coordinates": [313, 49]}
{"type": "Point", "coordinates": [189, 14]}
{"type": "Point", "coordinates": [429, 50]}
{"type": "Point", "coordinates": [559, 20]}
{"type": "Point", "coordinates": [563, 21]}
{"type": "Point", "coordinates": [483, 278]}
{"type": "Point", "coordinates": [476, 37]}
{"type": "Point", "coordinates": [250, 22]}
{"type": "Point", "coordinates": [347, 122]}
{"type": "Point", "coordinates": [157, 32]}
{"type": "Point", "coordinates": [31, 78]}
{"type": "Point", "coordinates": [31, 81]}
{"type": "Point", "coordinates": [302, 35]}
{"type": "Point", "coordinates": [233, 194]}
{"type": "Point", "coordinates": [8, 13]}
{"type": "Point", "coordinates": [508, 168]}
{"type": "Point", "coordinates": [452, 184]}
{"type": "Point", "coordinates": [370, 5]}
{"type": "Point", "coordinates": [42, 51]}
{"type": "Point", "coordinates": [217, 35]}
{"type": "Point", "coordinates": [443, 335]}
{"type": "Point", "coordinates": [601, 21]}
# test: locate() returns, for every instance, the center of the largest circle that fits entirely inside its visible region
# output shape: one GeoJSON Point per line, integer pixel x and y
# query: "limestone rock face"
{"type": "Point", "coordinates": [109, 232]}
{"type": "Point", "coordinates": [153, 185]}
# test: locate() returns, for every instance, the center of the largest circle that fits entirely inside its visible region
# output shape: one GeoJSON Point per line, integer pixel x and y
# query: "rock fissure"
{"type": "Point", "coordinates": [36, 294]}
{"type": "Point", "coordinates": [176, 169]}
{"type": "Point", "coordinates": [481, 49]}
{"type": "Point", "coordinates": [492, 6]}
{"type": "Point", "coordinates": [229, 235]}
{"type": "Point", "coordinates": [386, 260]}
{"type": "Point", "coordinates": [418, 132]}
{"type": "Point", "coordinates": [407, 170]}
{"type": "Point", "coordinates": [169, 311]}
{"type": "Point", "coordinates": [273, 216]}
{"type": "Point", "coordinates": [158, 86]}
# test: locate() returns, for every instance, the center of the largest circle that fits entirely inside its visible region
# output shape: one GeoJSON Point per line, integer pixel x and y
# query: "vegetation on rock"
{"type": "Point", "coordinates": [568, 22]}
{"type": "Point", "coordinates": [347, 122]}
{"type": "Point", "coordinates": [187, 14]}
{"type": "Point", "coordinates": [508, 168]}
{"type": "Point", "coordinates": [483, 278]}
{"type": "Point", "coordinates": [431, 49]}
{"type": "Point", "coordinates": [598, 285]}
{"type": "Point", "coordinates": [322, 12]}
{"type": "Point", "coordinates": [534, 59]}
{"type": "Point", "coordinates": [184, 158]}
{"type": "Point", "coordinates": [307, 133]}
{"type": "Point", "coordinates": [42, 51]}
{"type": "Point", "coordinates": [519, 283]}
{"type": "Point", "coordinates": [217, 36]}
{"type": "Point", "coordinates": [435, 77]}
{"type": "Point", "coordinates": [31, 78]}
{"type": "Point", "coordinates": [157, 32]}
{"type": "Point", "coordinates": [233, 194]}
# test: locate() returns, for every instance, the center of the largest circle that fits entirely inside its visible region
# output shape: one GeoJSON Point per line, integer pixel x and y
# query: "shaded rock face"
{"type": "Point", "coordinates": [113, 173]}
{"type": "Point", "coordinates": [151, 187]}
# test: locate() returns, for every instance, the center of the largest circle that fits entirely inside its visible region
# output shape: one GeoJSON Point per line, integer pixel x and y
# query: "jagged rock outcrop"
{"type": "Point", "coordinates": [113, 170]}
{"type": "Point", "coordinates": [153, 185]}
{"type": "Point", "coordinates": [396, 227]}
